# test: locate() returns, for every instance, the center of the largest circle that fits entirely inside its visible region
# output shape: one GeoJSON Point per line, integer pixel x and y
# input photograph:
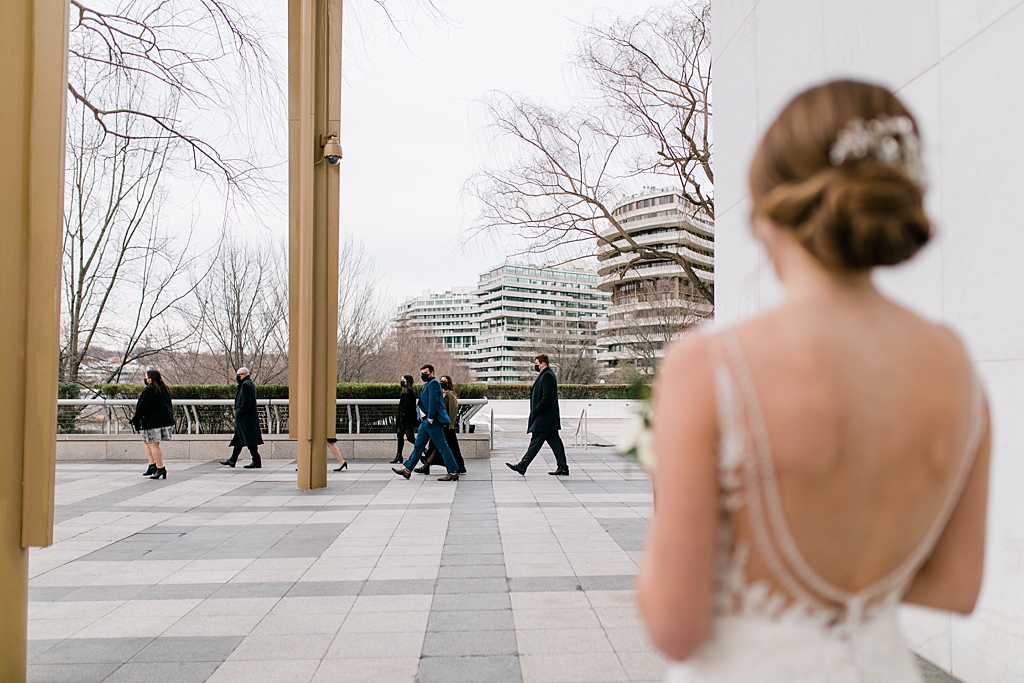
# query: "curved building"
{"type": "Point", "coordinates": [654, 300]}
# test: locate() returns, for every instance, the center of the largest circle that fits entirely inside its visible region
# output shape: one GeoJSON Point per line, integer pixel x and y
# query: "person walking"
{"type": "Point", "coordinates": [432, 419]}
{"type": "Point", "coordinates": [247, 422]}
{"type": "Point", "coordinates": [432, 456]}
{"type": "Point", "coordinates": [332, 446]}
{"type": "Point", "coordinates": [544, 421]}
{"type": "Point", "coordinates": [406, 419]}
{"type": "Point", "coordinates": [154, 418]}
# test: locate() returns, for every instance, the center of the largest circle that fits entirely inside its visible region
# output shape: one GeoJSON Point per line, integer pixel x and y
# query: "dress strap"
{"type": "Point", "coordinates": [763, 491]}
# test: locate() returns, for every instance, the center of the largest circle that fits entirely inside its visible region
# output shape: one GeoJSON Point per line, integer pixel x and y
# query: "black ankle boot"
{"type": "Point", "coordinates": [160, 473]}
{"type": "Point", "coordinates": [398, 459]}
{"type": "Point", "coordinates": [150, 470]}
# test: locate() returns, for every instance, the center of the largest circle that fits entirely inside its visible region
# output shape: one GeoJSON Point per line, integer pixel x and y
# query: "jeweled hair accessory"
{"type": "Point", "coordinates": [889, 140]}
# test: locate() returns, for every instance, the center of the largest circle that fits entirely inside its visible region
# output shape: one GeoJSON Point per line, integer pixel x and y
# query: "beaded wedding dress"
{"type": "Point", "coordinates": [798, 628]}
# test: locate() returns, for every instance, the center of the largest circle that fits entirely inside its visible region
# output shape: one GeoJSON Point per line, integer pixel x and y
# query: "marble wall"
{"type": "Point", "coordinates": [959, 66]}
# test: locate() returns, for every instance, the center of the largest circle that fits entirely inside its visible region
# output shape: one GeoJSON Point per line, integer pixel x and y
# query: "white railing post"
{"type": "Point", "coordinates": [492, 429]}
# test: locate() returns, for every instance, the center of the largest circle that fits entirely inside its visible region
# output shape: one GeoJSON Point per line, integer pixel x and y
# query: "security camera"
{"type": "Point", "coordinates": [332, 149]}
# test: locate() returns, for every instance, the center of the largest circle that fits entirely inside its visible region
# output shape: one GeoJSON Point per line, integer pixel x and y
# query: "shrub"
{"type": "Point", "coordinates": [361, 390]}
{"type": "Point", "coordinates": [566, 391]}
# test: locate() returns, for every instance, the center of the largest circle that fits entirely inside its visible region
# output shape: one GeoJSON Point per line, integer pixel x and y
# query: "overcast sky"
{"type": "Point", "coordinates": [413, 130]}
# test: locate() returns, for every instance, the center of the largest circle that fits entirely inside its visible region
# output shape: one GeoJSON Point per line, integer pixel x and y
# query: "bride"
{"type": "Point", "coordinates": [819, 464]}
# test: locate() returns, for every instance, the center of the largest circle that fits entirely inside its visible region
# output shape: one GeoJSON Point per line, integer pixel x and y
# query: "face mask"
{"type": "Point", "coordinates": [403, 382]}
{"type": "Point", "coordinates": [425, 376]}
{"type": "Point", "coordinates": [238, 378]}
{"type": "Point", "coordinates": [536, 367]}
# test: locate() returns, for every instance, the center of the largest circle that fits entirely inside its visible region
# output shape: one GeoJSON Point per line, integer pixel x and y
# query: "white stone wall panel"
{"type": "Point", "coordinates": [958, 65]}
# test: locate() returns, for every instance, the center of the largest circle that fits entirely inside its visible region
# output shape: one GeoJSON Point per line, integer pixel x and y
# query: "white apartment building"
{"type": "Point", "coordinates": [527, 309]}
{"type": "Point", "coordinates": [515, 311]}
{"type": "Point", "coordinates": [654, 300]}
{"type": "Point", "coordinates": [450, 316]}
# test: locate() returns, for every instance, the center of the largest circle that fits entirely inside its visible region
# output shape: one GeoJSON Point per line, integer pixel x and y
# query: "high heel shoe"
{"type": "Point", "coordinates": [150, 470]}
{"type": "Point", "coordinates": [344, 466]}
{"type": "Point", "coordinates": [398, 459]}
{"type": "Point", "coordinates": [161, 473]}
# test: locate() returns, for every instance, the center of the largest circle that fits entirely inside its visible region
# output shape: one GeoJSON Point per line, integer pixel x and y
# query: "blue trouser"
{"type": "Point", "coordinates": [434, 432]}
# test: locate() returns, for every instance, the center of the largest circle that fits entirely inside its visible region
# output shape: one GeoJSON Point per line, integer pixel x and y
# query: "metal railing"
{"type": "Point", "coordinates": [216, 416]}
{"type": "Point", "coordinates": [581, 425]}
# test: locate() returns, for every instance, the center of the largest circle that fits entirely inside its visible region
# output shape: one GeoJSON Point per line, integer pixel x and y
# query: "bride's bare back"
{"type": "Point", "coordinates": [832, 454]}
{"type": "Point", "coordinates": [869, 414]}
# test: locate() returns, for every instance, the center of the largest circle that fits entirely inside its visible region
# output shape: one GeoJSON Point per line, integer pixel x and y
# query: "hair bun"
{"type": "Point", "coordinates": [839, 167]}
{"type": "Point", "coordinates": [868, 215]}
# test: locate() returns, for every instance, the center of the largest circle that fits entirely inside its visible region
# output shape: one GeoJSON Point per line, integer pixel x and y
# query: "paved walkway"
{"type": "Point", "coordinates": [232, 575]}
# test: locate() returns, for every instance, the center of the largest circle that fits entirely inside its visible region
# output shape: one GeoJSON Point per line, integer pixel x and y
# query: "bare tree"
{"type": "Point", "coordinates": [240, 313]}
{"type": "Point", "coordinates": [207, 55]}
{"type": "Point", "coordinates": [122, 273]}
{"type": "Point", "coordinates": [654, 314]}
{"type": "Point", "coordinates": [654, 71]}
{"type": "Point", "coordinates": [364, 319]}
{"type": "Point", "coordinates": [569, 166]}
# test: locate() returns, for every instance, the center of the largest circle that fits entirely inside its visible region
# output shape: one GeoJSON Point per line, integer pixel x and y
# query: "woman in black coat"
{"type": "Point", "coordinates": [154, 418]}
{"type": "Point", "coordinates": [407, 420]}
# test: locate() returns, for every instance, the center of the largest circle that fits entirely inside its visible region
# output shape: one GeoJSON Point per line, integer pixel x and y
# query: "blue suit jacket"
{"type": "Point", "coordinates": [432, 402]}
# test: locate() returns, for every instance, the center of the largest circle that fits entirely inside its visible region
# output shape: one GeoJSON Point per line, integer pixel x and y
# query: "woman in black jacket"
{"type": "Point", "coordinates": [154, 417]}
{"type": "Point", "coordinates": [407, 420]}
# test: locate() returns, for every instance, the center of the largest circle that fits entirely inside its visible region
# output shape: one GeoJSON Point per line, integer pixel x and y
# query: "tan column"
{"type": "Point", "coordinates": [33, 85]}
{"type": "Point", "coordinates": [314, 113]}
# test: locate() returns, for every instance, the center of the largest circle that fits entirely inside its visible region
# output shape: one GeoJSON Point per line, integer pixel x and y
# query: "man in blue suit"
{"type": "Point", "coordinates": [433, 417]}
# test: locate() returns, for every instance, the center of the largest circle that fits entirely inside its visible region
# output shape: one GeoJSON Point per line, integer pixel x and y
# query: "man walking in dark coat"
{"type": "Point", "coordinates": [433, 417]}
{"type": "Point", "coordinates": [247, 422]}
{"type": "Point", "coordinates": [544, 419]}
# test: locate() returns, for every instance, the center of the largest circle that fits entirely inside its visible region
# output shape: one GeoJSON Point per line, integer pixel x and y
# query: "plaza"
{"type": "Point", "coordinates": [231, 575]}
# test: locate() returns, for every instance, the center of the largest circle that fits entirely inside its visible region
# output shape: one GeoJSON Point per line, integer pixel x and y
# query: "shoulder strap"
{"type": "Point", "coordinates": [764, 483]}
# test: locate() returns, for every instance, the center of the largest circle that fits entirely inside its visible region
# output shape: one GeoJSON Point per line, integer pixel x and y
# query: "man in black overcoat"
{"type": "Point", "coordinates": [247, 422]}
{"type": "Point", "coordinates": [544, 420]}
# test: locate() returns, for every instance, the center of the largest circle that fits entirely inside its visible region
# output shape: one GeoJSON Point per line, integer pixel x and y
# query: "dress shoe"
{"type": "Point", "coordinates": [451, 476]}
{"type": "Point", "coordinates": [422, 469]}
{"type": "Point", "coordinates": [516, 468]}
{"type": "Point", "coordinates": [404, 471]}
{"type": "Point", "coordinates": [251, 466]}
{"type": "Point", "coordinates": [560, 473]}
{"type": "Point", "coordinates": [462, 471]}
{"type": "Point", "coordinates": [344, 466]}
{"type": "Point", "coordinates": [227, 463]}
{"type": "Point", "coordinates": [150, 470]}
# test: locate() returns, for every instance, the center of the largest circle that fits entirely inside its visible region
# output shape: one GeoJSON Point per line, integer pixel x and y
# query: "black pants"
{"type": "Point", "coordinates": [433, 456]}
{"type": "Point", "coordinates": [253, 451]}
{"type": "Point", "coordinates": [554, 441]}
{"type": "Point", "coordinates": [409, 434]}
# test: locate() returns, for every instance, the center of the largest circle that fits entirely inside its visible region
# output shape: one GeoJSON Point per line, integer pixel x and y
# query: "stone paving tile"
{"type": "Point", "coordinates": [494, 669]}
{"type": "Point", "coordinates": [227, 575]}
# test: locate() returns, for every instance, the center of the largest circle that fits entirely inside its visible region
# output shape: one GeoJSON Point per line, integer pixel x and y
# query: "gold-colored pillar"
{"type": "Point", "coordinates": [314, 114]}
{"type": "Point", "coordinates": [33, 85]}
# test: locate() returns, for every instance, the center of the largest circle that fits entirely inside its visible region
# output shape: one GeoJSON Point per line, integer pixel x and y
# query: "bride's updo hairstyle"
{"type": "Point", "coordinates": [841, 168]}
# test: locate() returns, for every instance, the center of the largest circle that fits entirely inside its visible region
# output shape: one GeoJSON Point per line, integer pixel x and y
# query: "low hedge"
{"type": "Point", "coordinates": [360, 390]}
{"type": "Point", "coordinates": [567, 391]}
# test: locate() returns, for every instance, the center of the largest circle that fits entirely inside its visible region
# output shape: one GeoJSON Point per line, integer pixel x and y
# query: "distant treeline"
{"type": "Point", "coordinates": [366, 390]}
